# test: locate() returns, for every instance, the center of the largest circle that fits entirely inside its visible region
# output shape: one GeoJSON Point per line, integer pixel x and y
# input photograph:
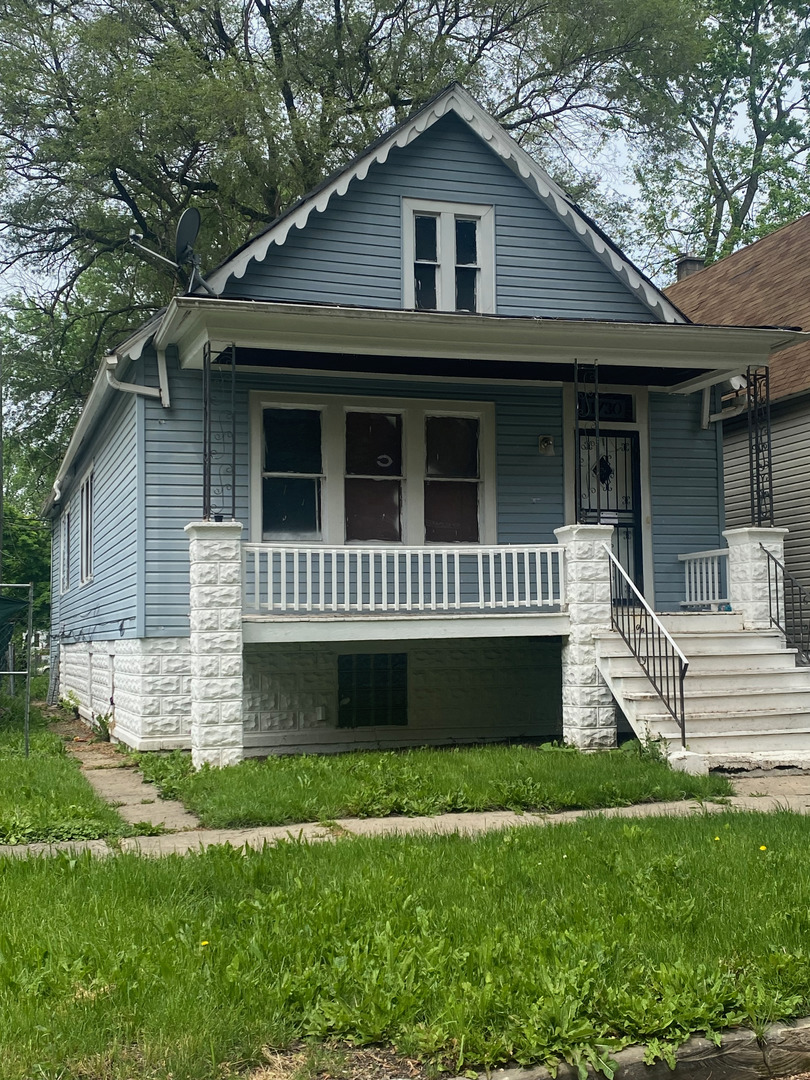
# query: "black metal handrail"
{"type": "Point", "coordinates": [789, 606]}
{"type": "Point", "coordinates": [649, 641]}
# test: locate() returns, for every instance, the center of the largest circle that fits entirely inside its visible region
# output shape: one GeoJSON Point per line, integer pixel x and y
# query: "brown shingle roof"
{"type": "Point", "coordinates": [764, 284]}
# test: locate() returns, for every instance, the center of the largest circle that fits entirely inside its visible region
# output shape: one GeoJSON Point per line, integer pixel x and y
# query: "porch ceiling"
{"type": "Point", "coordinates": [337, 336]}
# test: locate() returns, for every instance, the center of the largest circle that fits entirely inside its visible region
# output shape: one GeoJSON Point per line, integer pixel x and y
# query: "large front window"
{"type": "Point", "coordinates": [366, 472]}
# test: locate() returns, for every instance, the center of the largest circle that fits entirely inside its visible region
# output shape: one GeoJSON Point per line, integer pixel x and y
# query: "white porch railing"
{"type": "Point", "coordinates": [294, 580]}
{"type": "Point", "coordinates": [706, 579]}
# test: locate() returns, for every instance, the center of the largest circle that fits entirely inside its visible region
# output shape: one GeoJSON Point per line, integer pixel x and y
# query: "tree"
{"type": "Point", "coordinates": [27, 556]}
{"type": "Point", "coordinates": [120, 114]}
{"type": "Point", "coordinates": [738, 166]}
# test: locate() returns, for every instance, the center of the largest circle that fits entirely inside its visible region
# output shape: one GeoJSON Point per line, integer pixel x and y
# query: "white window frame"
{"type": "Point", "coordinates": [333, 410]}
{"type": "Point", "coordinates": [447, 212]}
{"type": "Point", "coordinates": [86, 513]}
{"type": "Point", "coordinates": [64, 551]}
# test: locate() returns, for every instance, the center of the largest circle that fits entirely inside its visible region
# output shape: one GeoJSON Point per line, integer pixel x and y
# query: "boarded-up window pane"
{"type": "Point", "coordinates": [425, 286]}
{"type": "Point", "coordinates": [290, 507]}
{"type": "Point", "coordinates": [466, 246]}
{"type": "Point", "coordinates": [292, 441]}
{"type": "Point", "coordinates": [373, 444]}
{"type": "Point", "coordinates": [451, 512]}
{"type": "Point", "coordinates": [373, 509]}
{"type": "Point", "coordinates": [452, 446]}
{"type": "Point", "coordinates": [426, 249]}
{"type": "Point", "coordinates": [372, 690]}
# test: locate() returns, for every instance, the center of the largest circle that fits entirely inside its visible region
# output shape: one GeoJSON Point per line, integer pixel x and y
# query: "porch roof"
{"type": "Point", "coordinates": [694, 355]}
{"type": "Point", "coordinates": [678, 357]}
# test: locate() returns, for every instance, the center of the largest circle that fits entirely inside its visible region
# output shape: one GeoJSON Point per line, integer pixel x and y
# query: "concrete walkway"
{"type": "Point", "coordinates": [115, 779]}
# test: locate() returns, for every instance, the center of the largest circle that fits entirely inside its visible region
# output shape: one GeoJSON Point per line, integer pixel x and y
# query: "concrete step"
{"type": "Point", "coordinates": [725, 683]}
{"type": "Point", "coordinates": [690, 622]}
{"type": "Point", "coordinates": [703, 644]}
{"type": "Point", "coordinates": [771, 660]}
{"type": "Point", "coordinates": [729, 701]}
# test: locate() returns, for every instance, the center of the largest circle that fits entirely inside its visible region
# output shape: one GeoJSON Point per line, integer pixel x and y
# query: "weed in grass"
{"type": "Point", "coordinates": [282, 790]}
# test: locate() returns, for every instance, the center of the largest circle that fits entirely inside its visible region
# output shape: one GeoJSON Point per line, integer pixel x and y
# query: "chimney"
{"type": "Point", "coordinates": [686, 265]}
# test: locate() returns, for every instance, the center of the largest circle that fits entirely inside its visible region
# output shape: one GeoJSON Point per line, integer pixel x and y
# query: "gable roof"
{"type": "Point", "coordinates": [456, 100]}
{"type": "Point", "coordinates": [766, 283]}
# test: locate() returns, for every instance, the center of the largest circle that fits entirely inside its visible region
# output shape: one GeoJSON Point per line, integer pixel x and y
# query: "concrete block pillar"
{"type": "Point", "coordinates": [748, 572]}
{"type": "Point", "coordinates": [589, 712]}
{"type": "Point", "coordinates": [216, 642]}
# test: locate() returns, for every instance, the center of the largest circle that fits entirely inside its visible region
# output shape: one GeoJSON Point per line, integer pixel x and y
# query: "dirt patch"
{"type": "Point", "coordinates": [80, 736]}
{"type": "Point", "coordinates": [331, 1061]}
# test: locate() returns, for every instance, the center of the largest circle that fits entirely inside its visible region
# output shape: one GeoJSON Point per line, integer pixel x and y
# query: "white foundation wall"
{"type": "Point", "coordinates": [144, 684]}
{"type": "Point", "coordinates": [458, 691]}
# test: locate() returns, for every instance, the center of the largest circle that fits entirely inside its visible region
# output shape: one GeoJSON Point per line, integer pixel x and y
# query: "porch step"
{"type": "Point", "coordinates": [746, 700]}
{"type": "Point", "coordinates": [702, 622]}
{"type": "Point", "coordinates": [706, 643]}
{"type": "Point", "coordinates": [711, 665]}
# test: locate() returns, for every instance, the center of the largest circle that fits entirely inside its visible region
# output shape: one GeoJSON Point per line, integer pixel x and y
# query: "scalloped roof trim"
{"type": "Point", "coordinates": [457, 100]}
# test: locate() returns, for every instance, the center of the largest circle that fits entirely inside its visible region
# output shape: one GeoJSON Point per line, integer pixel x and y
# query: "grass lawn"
{"type": "Point", "coordinates": [45, 797]}
{"type": "Point", "coordinates": [280, 790]}
{"type": "Point", "coordinates": [531, 944]}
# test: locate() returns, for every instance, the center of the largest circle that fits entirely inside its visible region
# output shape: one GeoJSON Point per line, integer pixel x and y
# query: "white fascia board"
{"type": "Point", "coordinates": [191, 321]}
{"type": "Point", "coordinates": [457, 100]}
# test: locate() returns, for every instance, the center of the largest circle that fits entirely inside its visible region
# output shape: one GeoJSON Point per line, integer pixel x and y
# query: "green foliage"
{"type": "Point", "coordinates": [533, 945]}
{"type": "Point", "coordinates": [27, 557]}
{"type": "Point", "coordinates": [286, 789]}
{"type": "Point", "coordinates": [732, 165]}
{"type": "Point", "coordinates": [44, 797]}
{"type": "Point", "coordinates": [120, 115]}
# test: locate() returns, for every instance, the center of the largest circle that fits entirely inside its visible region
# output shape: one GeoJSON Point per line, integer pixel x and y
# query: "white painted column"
{"type": "Point", "coordinates": [216, 642]}
{"type": "Point", "coordinates": [748, 572]}
{"type": "Point", "coordinates": [589, 712]}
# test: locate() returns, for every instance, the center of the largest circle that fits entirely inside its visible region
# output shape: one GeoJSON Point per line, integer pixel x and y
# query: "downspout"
{"type": "Point", "coordinates": [161, 392]}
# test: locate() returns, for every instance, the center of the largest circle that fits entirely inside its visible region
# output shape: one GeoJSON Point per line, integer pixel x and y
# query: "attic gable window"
{"type": "Point", "coordinates": [448, 256]}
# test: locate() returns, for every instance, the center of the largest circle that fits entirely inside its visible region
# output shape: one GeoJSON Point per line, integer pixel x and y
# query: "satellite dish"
{"type": "Point", "coordinates": [187, 228]}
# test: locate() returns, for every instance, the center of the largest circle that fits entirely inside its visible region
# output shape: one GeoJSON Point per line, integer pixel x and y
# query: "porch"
{"type": "Point", "coordinates": [317, 593]}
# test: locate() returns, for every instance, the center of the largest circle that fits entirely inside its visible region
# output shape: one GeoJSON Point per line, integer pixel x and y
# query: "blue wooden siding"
{"type": "Point", "coordinates": [106, 606]}
{"type": "Point", "coordinates": [352, 253]}
{"type": "Point", "coordinates": [529, 485]}
{"type": "Point", "coordinates": [686, 480]}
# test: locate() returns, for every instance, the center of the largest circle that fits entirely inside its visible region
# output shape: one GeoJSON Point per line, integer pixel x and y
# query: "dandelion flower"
{"type": "Point", "coordinates": [762, 847]}
{"type": "Point", "coordinates": [203, 942]}
{"type": "Point", "coordinates": [717, 837]}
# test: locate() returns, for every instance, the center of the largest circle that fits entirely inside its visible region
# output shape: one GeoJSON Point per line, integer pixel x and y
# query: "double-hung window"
{"type": "Point", "coordinates": [448, 256]}
{"type": "Point", "coordinates": [292, 474]}
{"type": "Point", "coordinates": [86, 523]}
{"type": "Point", "coordinates": [355, 471]}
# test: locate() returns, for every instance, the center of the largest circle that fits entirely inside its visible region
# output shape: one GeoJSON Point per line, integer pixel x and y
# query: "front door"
{"type": "Point", "coordinates": [610, 493]}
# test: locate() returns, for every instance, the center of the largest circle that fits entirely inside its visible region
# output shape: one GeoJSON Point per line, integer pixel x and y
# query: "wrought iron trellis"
{"type": "Point", "coordinates": [759, 446]}
{"type": "Point", "coordinates": [219, 465]}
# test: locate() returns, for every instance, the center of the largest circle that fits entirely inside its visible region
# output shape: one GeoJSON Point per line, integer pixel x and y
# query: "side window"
{"type": "Point", "coordinates": [86, 515]}
{"type": "Point", "coordinates": [292, 474]}
{"type": "Point", "coordinates": [64, 552]}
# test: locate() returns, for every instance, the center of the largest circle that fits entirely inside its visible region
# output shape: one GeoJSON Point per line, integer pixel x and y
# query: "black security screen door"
{"type": "Point", "coordinates": [610, 492]}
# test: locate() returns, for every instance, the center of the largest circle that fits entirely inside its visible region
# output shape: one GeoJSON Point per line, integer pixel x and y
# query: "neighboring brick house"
{"type": "Point", "coordinates": [361, 496]}
{"type": "Point", "coordinates": [766, 284]}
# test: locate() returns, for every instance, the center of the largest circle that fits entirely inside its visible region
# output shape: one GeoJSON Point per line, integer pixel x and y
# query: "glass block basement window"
{"type": "Point", "coordinates": [373, 690]}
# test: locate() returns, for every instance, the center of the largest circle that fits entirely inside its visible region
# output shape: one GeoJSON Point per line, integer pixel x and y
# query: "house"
{"type": "Point", "coordinates": [363, 491]}
{"type": "Point", "coordinates": [767, 282]}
